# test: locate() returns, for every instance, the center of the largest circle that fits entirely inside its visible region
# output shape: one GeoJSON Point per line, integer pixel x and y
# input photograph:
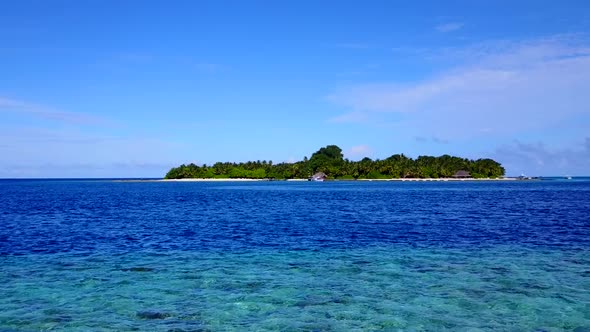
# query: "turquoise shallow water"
{"type": "Point", "coordinates": [110, 256]}
{"type": "Point", "coordinates": [380, 288]}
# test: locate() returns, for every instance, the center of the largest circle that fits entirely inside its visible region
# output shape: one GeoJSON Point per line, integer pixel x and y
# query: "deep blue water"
{"type": "Point", "coordinates": [411, 256]}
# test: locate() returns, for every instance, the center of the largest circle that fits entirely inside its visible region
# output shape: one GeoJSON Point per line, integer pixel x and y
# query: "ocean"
{"type": "Point", "coordinates": [104, 255]}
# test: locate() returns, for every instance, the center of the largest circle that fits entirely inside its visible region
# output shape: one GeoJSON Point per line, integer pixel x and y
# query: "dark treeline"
{"type": "Point", "coordinates": [330, 160]}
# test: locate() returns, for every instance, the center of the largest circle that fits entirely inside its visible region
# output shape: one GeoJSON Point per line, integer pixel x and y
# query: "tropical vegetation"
{"type": "Point", "coordinates": [331, 161]}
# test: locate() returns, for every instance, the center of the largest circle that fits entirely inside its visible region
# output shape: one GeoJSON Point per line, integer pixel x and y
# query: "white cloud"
{"type": "Point", "coordinates": [449, 27]}
{"type": "Point", "coordinates": [358, 152]}
{"type": "Point", "coordinates": [539, 159]}
{"type": "Point", "coordinates": [503, 89]}
{"type": "Point", "coordinates": [130, 169]}
{"type": "Point", "coordinates": [44, 112]}
{"type": "Point", "coordinates": [508, 53]}
{"type": "Point", "coordinates": [40, 152]}
{"type": "Point", "coordinates": [437, 140]}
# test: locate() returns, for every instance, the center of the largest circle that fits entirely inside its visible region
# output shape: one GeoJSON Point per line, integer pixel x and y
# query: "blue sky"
{"type": "Point", "coordinates": [132, 88]}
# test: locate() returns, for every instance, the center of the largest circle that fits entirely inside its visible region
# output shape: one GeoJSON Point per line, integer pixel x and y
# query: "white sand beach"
{"type": "Point", "coordinates": [211, 180]}
{"type": "Point", "coordinates": [440, 179]}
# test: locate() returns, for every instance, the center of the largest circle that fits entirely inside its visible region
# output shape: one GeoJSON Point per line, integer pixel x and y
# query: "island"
{"type": "Point", "coordinates": [330, 161]}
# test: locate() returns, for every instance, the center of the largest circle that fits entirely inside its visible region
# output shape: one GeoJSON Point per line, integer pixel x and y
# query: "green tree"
{"type": "Point", "coordinates": [330, 160]}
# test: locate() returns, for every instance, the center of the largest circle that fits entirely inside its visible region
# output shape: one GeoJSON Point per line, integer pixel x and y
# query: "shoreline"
{"type": "Point", "coordinates": [437, 179]}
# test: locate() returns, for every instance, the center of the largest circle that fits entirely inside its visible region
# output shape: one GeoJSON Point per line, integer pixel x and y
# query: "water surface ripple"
{"type": "Point", "coordinates": [278, 256]}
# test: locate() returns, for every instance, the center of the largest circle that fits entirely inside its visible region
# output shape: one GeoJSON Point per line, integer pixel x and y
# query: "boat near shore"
{"type": "Point", "coordinates": [318, 177]}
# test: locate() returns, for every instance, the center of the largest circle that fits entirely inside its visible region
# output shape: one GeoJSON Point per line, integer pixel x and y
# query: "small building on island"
{"type": "Point", "coordinates": [462, 175]}
{"type": "Point", "coordinates": [319, 176]}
